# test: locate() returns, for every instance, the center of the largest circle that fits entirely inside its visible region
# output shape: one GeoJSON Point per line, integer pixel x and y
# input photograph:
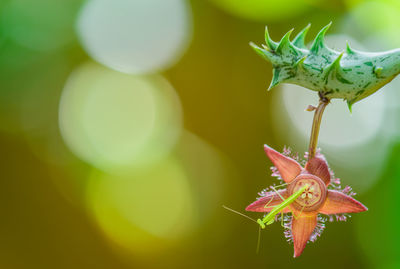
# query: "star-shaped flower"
{"type": "Point", "coordinates": [316, 199]}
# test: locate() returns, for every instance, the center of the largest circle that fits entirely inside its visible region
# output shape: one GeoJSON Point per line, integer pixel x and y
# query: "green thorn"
{"type": "Point", "coordinates": [265, 47]}
{"type": "Point", "coordinates": [285, 42]}
{"type": "Point", "coordinates": [334, 66]}
{"type": "Point", "coordinates": [275, 78]}
{"type": "Point", "coordinates": [349, 105]}
{"type": "Point", "coordinates": [299, 40]}
{"type": "Point", "coordinates": [262, 52]}
{"type": "Point", "coordinates": [300, 62]}
{"type": "Point", "coordinates": [270, 43]}
{"type": "Point", "coordinates": [336, 62]}
{"type": "Point", "coordinates": [319, 39]}
{"type": "Point", "coordinates": [349, 50]}
{"type": "Point", "coordinates": [257, 49]}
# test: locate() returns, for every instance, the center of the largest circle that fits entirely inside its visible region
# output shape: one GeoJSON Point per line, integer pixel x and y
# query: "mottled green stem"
{"type": "Point", "coordinates": [323, 102]}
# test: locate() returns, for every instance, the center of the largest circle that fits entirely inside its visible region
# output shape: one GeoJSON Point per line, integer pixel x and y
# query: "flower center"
{"type": "Point", "coordinates": [313, 196]}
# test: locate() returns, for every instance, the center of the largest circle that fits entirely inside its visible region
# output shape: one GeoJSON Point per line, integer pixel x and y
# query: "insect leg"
{"type": "Point", "coordinates": [301, 211]}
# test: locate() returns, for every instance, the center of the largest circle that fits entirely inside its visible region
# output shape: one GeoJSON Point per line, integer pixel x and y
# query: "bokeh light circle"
{"type": "Point", "coordinates": [208, 169]}
{"type": "Point", "coordinates": [264, 10]}
{"type": "Point", "coordinates": [382, 25]}
{"type": "Point", "coordinates": [144, 209]}
{"type": "Point", "coordinates": [41, 24]}
{"type": "Point", "coordinates": [135, 36]}
{"type": "Point", "coordinates": [339, 127]}
{"type": "Point", "coordinates": [151, 209]}
{"type": "Point", "coordinates": [114, 120]}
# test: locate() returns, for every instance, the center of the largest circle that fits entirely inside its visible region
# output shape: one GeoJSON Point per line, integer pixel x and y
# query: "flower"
{"type": "Point", "coordinates": [322, 196]}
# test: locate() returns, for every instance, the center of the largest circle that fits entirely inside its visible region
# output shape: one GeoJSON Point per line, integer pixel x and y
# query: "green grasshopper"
{"type": "Point", "coordinates": [270, 218]}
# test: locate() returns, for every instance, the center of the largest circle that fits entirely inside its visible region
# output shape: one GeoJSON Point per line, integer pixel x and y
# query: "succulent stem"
{"type": "Point", "coordinates": [350, 75]}
{"type": "Point", "coordinates": [323, 102]}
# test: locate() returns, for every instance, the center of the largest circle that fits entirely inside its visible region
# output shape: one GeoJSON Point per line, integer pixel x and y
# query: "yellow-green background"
{"type": "Point", "coordinates": [47, 205]}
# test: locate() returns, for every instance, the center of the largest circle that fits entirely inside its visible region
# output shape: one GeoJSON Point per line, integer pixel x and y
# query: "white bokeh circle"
{"type": "Point", "coordinates": [114, 120]}
{"type": "Point", "coordinates": [135, 36]}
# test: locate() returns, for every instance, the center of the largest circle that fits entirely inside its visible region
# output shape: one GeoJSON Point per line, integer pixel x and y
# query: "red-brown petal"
{"type": "Point", "coordinates": [265, 203]}
{"type": "Point", "coordinates": [302, 229]}
{"type": "Point", "coordinates": [318, 167]}
{"type": "Point", "coordinates": [337, 202]}
{"type": "Point", "coordinates": [287, 167]}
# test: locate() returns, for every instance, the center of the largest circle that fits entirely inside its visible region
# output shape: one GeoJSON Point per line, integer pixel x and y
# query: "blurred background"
{"type": "Point", "coordinates": [125, 125]}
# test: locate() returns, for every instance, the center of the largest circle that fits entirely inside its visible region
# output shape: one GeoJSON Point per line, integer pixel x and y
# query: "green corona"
{"type": "Point", "coordinates": [350, 75]}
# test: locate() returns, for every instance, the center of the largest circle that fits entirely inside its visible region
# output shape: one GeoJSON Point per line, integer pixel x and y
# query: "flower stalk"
{"type": "Point", "coordinates": [323, 102]}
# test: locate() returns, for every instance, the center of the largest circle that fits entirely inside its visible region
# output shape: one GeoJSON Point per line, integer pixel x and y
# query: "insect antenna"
{"type": "Point", "coordinates": [237, 212]}
{"type": "Point", "coordinates": [247, 217]}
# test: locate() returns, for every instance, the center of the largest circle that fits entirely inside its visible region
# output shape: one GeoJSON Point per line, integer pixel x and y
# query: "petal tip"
{"type": "Point", "coordinates": [287, 167]}
{"type": "Point", "coordinates": [266, 147]}
{"type": "Point", "coordinates": [248, 208]}
{"type": "Point", "coordinates": [363, 208]}
{"type": "Point", "coordinates": [302, 229]}
{"type": "Point", "coordinates": [298, 251]}
{"type": "Point", "coordinates": [255, 206]}
{"type": "Point", "coordinates": [338, 203]}
{"type": "Point", "coordinates": [271, 153]}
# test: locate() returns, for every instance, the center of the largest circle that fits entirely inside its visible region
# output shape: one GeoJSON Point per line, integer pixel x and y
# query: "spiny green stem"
{"type": "Point", "coordinates": [323, 102]}
{"type": "Point", "coordinates": [350, 75]}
